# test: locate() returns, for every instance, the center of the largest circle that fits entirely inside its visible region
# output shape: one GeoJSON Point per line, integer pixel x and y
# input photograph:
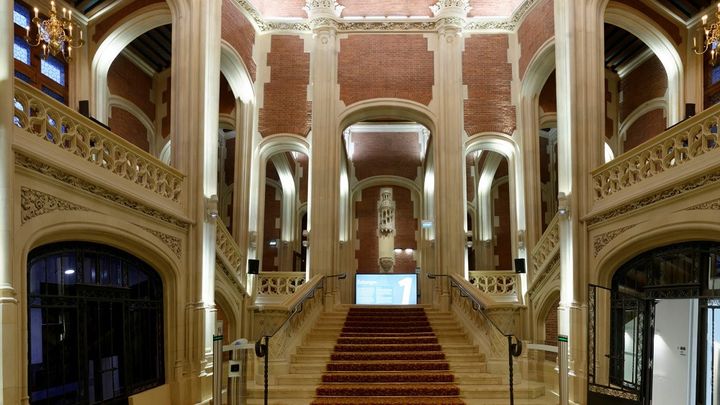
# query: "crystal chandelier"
{"type": "Point", "coordinates": [55, 33]}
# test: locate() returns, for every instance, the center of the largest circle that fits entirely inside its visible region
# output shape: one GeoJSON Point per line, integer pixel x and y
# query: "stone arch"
{"type": "Point", "coordinates": [661, 45]}
{"type": "Point", "coordinates": [236, 73]}
{"type": "Point", "coordinates": [110, 46]}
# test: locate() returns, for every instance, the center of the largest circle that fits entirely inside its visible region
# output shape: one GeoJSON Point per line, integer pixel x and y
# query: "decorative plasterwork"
{"type": "Point", "coordinates": [709, 205]}
{"type": "Point", "coordinates": [452, 6]}
{"type": "Point", "coordinates": [98, 191]}
{"type": "Point", "coordinates": [34, 203]}
{"type": "Point", "coordinates": [174, 243]}
{"type": "Point", "coordinates": [540, 279]}
{"type": "Point", "coordinates": [600, 241]}
{"type": "Point", "coordinates": [344, 25]}
{"type": "Point", "coordinates": [693, 184]}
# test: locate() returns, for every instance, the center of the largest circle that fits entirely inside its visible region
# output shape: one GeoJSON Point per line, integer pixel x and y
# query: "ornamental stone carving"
{"type": "Point", "coordinates": [172, 242]}
{"type": "Point", "coordinates": [600, 241]}
{"type": "Point", "coordinates": [34, 203]}
{"type": "Point", "coordinates": [709, 205]}
{"type": "Point", "coordinates": [457, 8]}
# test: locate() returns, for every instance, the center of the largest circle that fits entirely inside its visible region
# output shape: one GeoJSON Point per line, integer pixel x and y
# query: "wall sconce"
{"type": "Point", "coordinates": [521, 239]}
{"type": "Point", "coordinates": [211, 208]}
{"type": "Point", "coordinates": [563, 204]}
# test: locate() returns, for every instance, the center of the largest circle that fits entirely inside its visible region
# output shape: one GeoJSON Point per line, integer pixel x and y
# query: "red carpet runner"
{"type": "Point", "coordinates": [387, 356]}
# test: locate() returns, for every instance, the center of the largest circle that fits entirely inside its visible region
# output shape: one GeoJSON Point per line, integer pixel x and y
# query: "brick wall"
{"type": "Point", "coordinates": [492, 7]}
{"type": "Point", "coordinates": [285, 107]}
{"type": "Point", "coordinates": [227, 98]}
{"type": "Point", "coordinates": [551, 324]}
{"type": "Point", "coordinates": [646, 82]}
{"type": "Point", "coordinates": [501, 229]}
{"type": "Point", "coordinates": [129, 82]}
{"type": "Point", "coordinates": [124, 124]}
{"type": "Point", "coordinates": [537, 27]}
{"type": "Point", "coordinates": [380, 154]}
{"type": "Point", "coordinates": [470, 182]}
{"type": "Point", "coordinates": [103, 26]}
{"type": "Point", "coordinates": [488, 76]}
{"type": "Point", "coordinates": [385, 65]}
{"type": "Point", "coordinates": [644, 128]}
{"type": "Point", "coordinates": [667, 25]}
{"type": "Point", "coordinates": [405, 229]}
{"type": "Point", "coordinates": [548, 95]}
{"type": "Point", "coordinates": [272, 214]}
{"type": "Point", "coordinates": [387, 7]}
{"type": "Point", "coordinates": [239, 33]}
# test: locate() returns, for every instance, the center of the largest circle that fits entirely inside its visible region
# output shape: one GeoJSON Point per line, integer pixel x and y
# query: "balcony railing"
{"type": "Point", "coordinates": [280, 282]}
{"type": "Point", "coordinates": [44, 118]}
{"type": "Point", "coordinates": [501, 284]}
{"type": "Point", "coordinates": [676, 146]}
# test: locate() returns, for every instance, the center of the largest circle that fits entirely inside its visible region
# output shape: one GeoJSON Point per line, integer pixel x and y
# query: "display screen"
{"type": "Point", "coordinates": [386, 289]}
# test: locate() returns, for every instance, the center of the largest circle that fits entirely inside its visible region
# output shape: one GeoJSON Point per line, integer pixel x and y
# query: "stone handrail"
{"type": "Point", "coordinates": [47, 119]}
{"type": "Point", "coordinates": [546, 248]}
{"type": "Point", "coordinates": [677, 145]}
{"type": "Point", "coordinates": [279, 283]}
{"type": "Point", "coordinates": [495, 282]}
{"type": "Point", "coordinates": [226, 247]}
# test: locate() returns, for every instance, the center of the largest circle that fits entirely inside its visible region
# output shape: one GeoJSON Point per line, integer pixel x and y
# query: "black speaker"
{"type": "Point", "coordinates": [253, 266]}
{"type": "Point", "coordinates": [84, 107]}
{"type": "Point", "coordinates": [689, 110]}
{"type": "Point", "coordinates": [520, 265]}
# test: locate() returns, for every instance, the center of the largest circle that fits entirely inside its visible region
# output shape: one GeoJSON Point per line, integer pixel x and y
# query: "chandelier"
{"type": "Point", "coordinates": [55, 33]}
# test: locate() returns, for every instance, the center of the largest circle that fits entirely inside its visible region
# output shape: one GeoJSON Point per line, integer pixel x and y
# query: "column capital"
{"type": "Point", "coordinates": [451, 15]}
{"type": "Point", "coordinates": [322, 13]}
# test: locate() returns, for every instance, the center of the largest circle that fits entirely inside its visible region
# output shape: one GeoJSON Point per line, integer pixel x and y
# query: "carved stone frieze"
{"type": "Point", "coordinates": [34, 203]}
{"type": "Point", "coordinates": [690, 185]}
{"type": "Point", "coordinates": [709, 205]}
{"type": "Point", "coordinates": [600, 241]}
{"type": "Point", "coordinates": [98, 191]}
{"type": "Point", "coordinates": [174, 243]}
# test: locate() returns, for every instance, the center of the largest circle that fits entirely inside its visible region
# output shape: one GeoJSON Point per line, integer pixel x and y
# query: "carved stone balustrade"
{"type": "Point", "coordinates": [279, 283]}
{"type": "Point", "coordinates": [677, 146]}
{"type": "Point", "coordinates": [44, 118]}
{"type": "Point", "coordinates": [547, 250]}
{"type": "Point", "coordinates": [499, 284]}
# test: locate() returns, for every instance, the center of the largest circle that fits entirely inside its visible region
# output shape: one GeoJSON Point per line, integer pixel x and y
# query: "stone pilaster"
{"type": "Point", "coordinates": [580, 99]}
{"type": "Point", "coordinates": [323, 254]}
{"type": "Point", "coordinates": [244, 114]}
{"type": "Point", "coordinates": [195, 81]}
{"type": "Point", "coordinates": [449, 162]}
{"type": "Point", "coordinates": [10, 357]}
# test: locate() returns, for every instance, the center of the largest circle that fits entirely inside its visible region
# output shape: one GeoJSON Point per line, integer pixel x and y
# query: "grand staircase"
{"type": "Point", "coordinates": [398, 355]}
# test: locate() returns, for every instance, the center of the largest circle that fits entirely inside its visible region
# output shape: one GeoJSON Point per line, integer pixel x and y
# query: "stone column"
{"type": "Point", "coordinates": [10, 356]}
{"type": "Point", "coordinates": [386, 230]}
{"type": "Point", "coordinates": [195, 81]}
{"type": "Point", "coordinates": [244, 113]}
{"type": "Point", "coordinates": [323, 252]}
{"type": "Point", "coordinates": [580, 101]}
{"type": "Point", "coordinates": [449, 162]}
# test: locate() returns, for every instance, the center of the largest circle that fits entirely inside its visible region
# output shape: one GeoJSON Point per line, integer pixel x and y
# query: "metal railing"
{"type": "Point", "coordinates": [514, 343]}
{"type": "Point", "coordinates": [263, 343]}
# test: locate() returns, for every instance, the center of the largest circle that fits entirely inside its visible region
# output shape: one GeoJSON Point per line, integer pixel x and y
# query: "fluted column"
{"type": "Point", "coordinates": [9, 329]}
{"type": "Point", "coordinates": [195, 81]}
{"type": "Point", "coordinates": [448, 140]}
{"type": "Point", "coordinates": [580, 102]}
{"type": "Point", "coordinates": [323, 254]}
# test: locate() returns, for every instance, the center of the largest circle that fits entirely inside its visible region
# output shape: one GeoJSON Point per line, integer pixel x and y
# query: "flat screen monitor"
{"type": "Point", "coordinates": [386, 289]}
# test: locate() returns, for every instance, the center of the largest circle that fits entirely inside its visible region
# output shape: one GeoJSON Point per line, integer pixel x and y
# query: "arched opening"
{"type": "Point", "coordinates": [95, 324]}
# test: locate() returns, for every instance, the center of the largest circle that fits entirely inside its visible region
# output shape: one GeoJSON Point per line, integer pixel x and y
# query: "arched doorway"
{"type": "Point", "coordinates": [663, 344]}
{"type": "Point", "coordinates": [95, 320]}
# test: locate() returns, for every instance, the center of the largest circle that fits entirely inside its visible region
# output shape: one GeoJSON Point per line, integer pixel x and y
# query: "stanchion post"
{"type": "Point", "coordinates": [563, 366]}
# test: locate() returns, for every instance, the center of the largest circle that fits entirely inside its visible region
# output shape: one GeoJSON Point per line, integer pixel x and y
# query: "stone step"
{"type": "Point", "coordinates": [460, 358]}
{"type": "Point", "coordinates": [527, 391]}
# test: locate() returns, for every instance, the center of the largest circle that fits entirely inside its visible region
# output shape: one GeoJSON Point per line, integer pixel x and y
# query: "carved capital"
{"type": "Point", "coordinates": [451, 8]}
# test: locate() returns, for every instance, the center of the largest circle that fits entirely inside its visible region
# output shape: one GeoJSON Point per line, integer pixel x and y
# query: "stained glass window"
{"type": "Point", "coordinates": [21, 50]}
{"type": "Point", "coordinates": [53, 69]}
{"type": "Point", "coordinates": [21, 15]}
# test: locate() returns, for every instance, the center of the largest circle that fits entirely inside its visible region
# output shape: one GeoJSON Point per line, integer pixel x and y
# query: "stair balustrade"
{"type": "Point", "coordinates": [279, 283]}
{"type": "Point", "coordinates": [502, 285]}
{"type": "Point", "coordinates": [546, 251]}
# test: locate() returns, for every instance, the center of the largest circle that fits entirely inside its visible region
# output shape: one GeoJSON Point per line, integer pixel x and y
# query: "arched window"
{"type": "Point", "coordinates": [95, 325]}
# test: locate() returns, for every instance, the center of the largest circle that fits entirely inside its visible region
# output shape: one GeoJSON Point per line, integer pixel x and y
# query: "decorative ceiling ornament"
{"type": "Point", "coordinates": [55, 34]}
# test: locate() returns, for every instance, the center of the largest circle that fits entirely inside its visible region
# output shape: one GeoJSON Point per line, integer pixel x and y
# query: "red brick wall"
{"type": "Point", "coordinates": [669, 26]}
{"type": "Point", "coordinates": [551, 324]}
{"type": "Point", "coordinates": [548, 95]}
{"type": "Point", "coordinates": [644, 128]}
{"type": "Point", "coordinates": [104, 25]}
{"type": "Point", "coordinates": [239, 33]}
{"type": "Point", "coordinates": [129, 128]}
{"type": "Point", "coordinates": [379, 154]}
{"type": "Point", "coordinates": [488, 76]}
{"type": "Point", "coordinates": [129, 82]}
{"type": "Point", "coordinates": [285, 107]}
{"type": "Point", "coordinates": [501, 209]}
{"type": "Point", "coordinates": [387, 7]}
{"type": "Point", "coordinates": [270, 231]}
{"type": "Point", "coordinates": [492, 7]}
{"type": "Point", "coordinates": [646, 82]}
{"type": "Point", "coordinates": [470, 181]}
{"type": "Point", "coordinates": [537, 27]}
{"type": "Point", "coordinates": [166, 99]}
{"type": "Point", "coordinates": [227, 98]}
{"type": "Point", "coordinates": [405, 228]}
{"type": "Point", "coordinates": [385, 65]}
